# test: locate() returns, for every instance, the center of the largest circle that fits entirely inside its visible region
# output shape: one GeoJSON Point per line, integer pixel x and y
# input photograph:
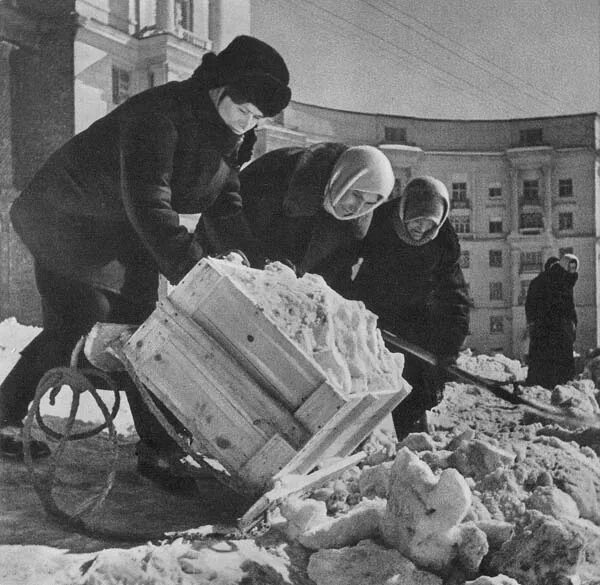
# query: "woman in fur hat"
{"type": "Point", "coordinates": [101, 216]}
{"type": "Point", "coordinates": [552, 323]}
{"type": "Point", "coordinates": [411, 278]}
{"type": "Point", "coordinates": [307, 206]}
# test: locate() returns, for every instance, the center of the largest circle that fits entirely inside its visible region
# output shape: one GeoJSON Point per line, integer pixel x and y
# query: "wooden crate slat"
{"type": "Point", "coordinates": [215, 302]}
{"type": "Point", "coordinates": [318, 409]}
{"type": "Point", "coordinates": [265, 411]}
{"type": "Point", "coordinates": [344, 432]}
{"type": "Point", "coordinates": [272, 458]}
{"type": "Point", "coordinates": [225, 431]}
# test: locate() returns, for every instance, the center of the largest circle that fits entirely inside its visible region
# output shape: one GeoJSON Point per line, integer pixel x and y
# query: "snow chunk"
{"type": "Point", "coordinates": [360, 523]}
{"type": "Point", "coordinates": [424, 515]}
{"type": "Point", "coordinates": [366, 564]}
{"type": "Point", "coordinates": [339, 334]}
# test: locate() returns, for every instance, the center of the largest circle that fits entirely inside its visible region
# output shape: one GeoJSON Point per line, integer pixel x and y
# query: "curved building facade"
{"type": "Point", "coordinates": [521, 190]}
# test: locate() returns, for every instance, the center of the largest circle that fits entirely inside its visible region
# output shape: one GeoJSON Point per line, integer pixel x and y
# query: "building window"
{"type": "Point", "coordinates": [496, 324]}
{"type": "Point", "coordinates": [495, 226]}
{"type": "Point", "coordinates": [495, 192]}
{"type": "Point", "coordinates": [531, 261]}
{"type": "Point", "coordinates": [531, 221]}
{"type": "Point", "coordinates": [459, 191]}
{"type": "Point", "coordinates": [184, 14]}
{"type": "Point", "coordinates": [395, 135]}
{"type": "Point", "coordinates": [121, 86]}
{"type": "Point", "coordinates": [495, 258]}
{"type": "Point", "coordinates": [496, 291]}
{"type": "Point", "coordinates": [523, 292]}
{"type": "Point", "coordinates": [461, 224]}
{"type": "Point", "coordinates": [465, 259]}
{"type": "Point", "coordinates": [565, 221]}
{"type": "Point", "coordinates": [565, 187]}
{"type": "Point", "coordinates": [531, 137]}
{"type": "Point", "coordinates": [531, 191]}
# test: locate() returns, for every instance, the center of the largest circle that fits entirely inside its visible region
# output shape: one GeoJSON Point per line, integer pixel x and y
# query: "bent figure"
{"type": "Point", "coordinates": [101, 216]}
{"type": "Point", "coordinates": [410, 277]}
{"type": "Point", "coordinates": [309, 207]}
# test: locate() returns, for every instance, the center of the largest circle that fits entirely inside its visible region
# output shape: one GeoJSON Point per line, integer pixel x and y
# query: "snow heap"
{"type": "Point", "coordinates": [340, 335]}
{"type": "Point", "coordinates": [497, 367]}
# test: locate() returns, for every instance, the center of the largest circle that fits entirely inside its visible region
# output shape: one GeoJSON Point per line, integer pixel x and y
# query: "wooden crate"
{"type": "Point", "coordinates": [250, 396]}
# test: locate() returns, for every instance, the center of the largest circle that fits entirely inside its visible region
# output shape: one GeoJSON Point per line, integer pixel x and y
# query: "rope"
{"type": "Point", "coordinates": [43, 483]}
{"type": "Point", "coordinates": [80, 381]}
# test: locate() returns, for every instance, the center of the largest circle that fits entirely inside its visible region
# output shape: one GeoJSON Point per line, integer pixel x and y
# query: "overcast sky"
{"type": "Point", "coordinates": [439, 58]}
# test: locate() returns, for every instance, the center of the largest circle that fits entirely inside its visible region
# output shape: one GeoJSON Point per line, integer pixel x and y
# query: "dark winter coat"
{"type": "Point", "coordinates": [418, 292]}
{"type": "Point", "coordinates": [552, 321]}
{"type": "Point", "coordinates": [104, 208]}
{"type": "Point", "coordinates": [283, 193]}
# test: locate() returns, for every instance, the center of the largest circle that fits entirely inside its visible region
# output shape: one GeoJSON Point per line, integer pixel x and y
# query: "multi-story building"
{"type": "Point", "coordinates": [66, 63]}
{"type": "Point", "coordinates": [521, 190]}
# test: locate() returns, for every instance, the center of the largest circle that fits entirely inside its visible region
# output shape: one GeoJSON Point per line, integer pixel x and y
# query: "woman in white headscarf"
{"type": "Point", "coordinates": [309, 207]}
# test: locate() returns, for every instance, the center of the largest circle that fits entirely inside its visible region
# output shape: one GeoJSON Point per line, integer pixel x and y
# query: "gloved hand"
{"type": "Point", "coordinates": [231, 255]}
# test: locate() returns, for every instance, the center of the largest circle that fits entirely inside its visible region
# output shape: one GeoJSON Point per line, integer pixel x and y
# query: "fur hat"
{"type": "Point", "coordinates": [254, 69]}
{"type": "Point", "coordinates": [361, 168]}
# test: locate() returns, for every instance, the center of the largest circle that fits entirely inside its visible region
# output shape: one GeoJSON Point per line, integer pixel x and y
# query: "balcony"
{"type": "Point", "coordinates": [193, 39]}
{"type": "Point", "coordinates": [460, 204]}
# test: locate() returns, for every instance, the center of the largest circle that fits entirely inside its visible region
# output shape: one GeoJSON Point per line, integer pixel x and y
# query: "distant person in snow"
{"type": "Point", "coordinates": [101, 217]}
{"type": "Point", "coordinates": [552, 323]}
{"type": "Point", "coordinates": [307, 207]}
{"type": "Point", "coordinates": [411, 278]}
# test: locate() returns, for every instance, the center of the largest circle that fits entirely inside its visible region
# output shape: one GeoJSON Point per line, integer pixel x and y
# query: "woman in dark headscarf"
{"type": "Point", "coordinates": [411, 278]}
{"type": "Point", "coordinates": [552, 323]}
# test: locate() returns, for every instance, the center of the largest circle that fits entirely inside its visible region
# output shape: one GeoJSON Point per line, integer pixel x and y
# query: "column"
{"type": "Point", "coordinates": [546, 172]}
{"type": "Point", "coordinates": [6, 161]}
{"type": "Point", "coordinates": [165, 15]}
{"type": "Point", "coordinates": [7, 189]}
{"type": "Point", "coordinates": [514, 198]}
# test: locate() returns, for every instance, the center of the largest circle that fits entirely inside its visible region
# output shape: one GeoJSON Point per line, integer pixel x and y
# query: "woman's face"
{"type": "Point", "coordinates": [354, 203]}
{"type": "Point", "coordinates": [418, 227]}
{"type": "Point", "coordinates": [239, 117]}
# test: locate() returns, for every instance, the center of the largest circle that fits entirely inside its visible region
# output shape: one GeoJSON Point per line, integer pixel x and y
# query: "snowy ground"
{"type": "Point", "coordinates": [533, 487]}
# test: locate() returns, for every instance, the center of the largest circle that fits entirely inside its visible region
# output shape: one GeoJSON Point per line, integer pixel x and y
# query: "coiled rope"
{"type": "Point", "coordinates": [81, 380]}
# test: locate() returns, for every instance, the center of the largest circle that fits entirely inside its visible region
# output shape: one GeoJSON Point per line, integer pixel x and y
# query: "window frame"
{"type": "Point", "coordinates": [495, 226]}
{"type": "Point", "coordinates": [498, 258]}
{"type": "Point", "coordinates": [496, 290]}
{"type": "Point", "coordinates": [566, 214]}
{"type": "Point", "coordinates": [498, 328]}
{"type": "Point", "coordinates": [121, 88]}
{"type": "Point", "coordinates": [565, 185]}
